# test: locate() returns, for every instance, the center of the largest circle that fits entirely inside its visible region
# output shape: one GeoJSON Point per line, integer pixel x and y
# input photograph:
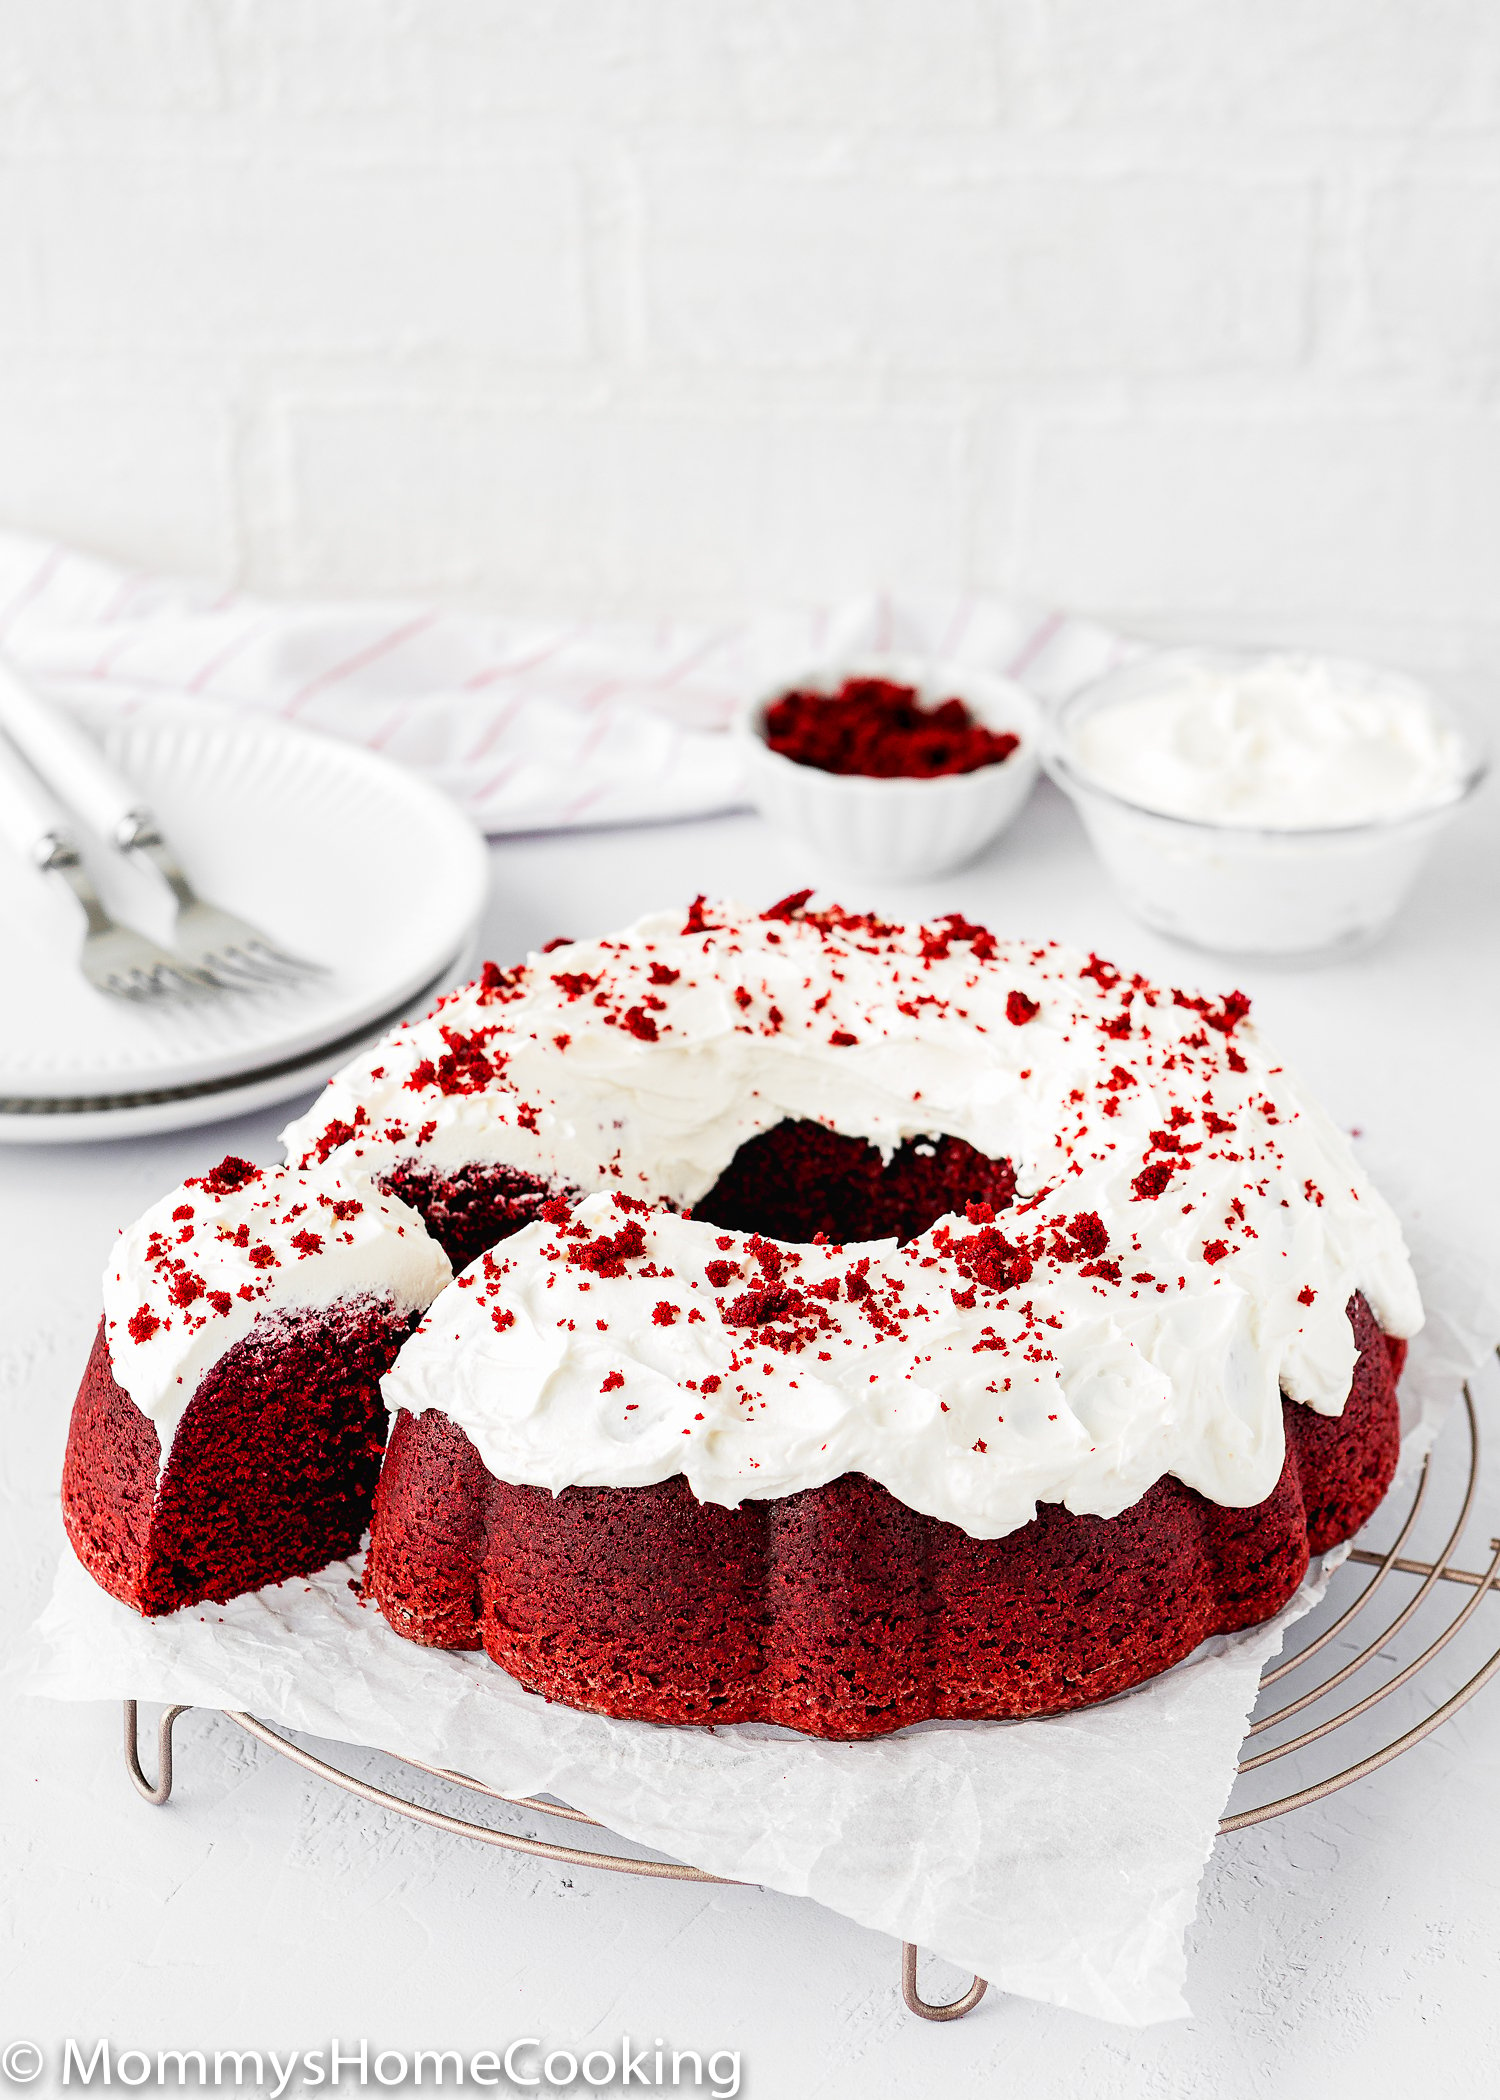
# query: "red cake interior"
{"type": "Point", "coordinates": [467, 1209]}
{"type": "Point", "coordinates": [270, 1474]}
{"type": "Point", "coordinates": [790, 1183]}
{"type": "Point", "coordinates": [799, 1179]}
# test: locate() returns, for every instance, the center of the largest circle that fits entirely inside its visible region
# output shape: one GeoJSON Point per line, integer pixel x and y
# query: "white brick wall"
{"type": "Point", "coordinates": [1186, 315]}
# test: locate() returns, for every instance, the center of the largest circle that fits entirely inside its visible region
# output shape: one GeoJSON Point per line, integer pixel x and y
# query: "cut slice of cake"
{"type": "Point", "coordinates": [229, 1428]}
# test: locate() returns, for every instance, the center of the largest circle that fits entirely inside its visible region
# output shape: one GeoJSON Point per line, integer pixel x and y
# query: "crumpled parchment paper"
{"type": "Point", "coordinates": [1058, 1858]}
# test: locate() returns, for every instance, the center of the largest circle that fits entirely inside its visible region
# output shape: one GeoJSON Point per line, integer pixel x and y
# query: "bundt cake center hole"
{"type": "Point", "coordinates": [790, 1183]}
{"type": "Point", "coordinates": [799, 1179]}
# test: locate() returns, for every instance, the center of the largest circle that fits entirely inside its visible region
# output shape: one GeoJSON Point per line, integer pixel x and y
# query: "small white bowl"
{"type": "Point", "coordinates": [905, 829]}
{"type": "Point", "coordinates": [1251, 889]}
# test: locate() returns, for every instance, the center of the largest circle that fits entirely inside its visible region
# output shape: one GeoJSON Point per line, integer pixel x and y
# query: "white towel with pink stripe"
{"type": "Point", "coordinates": [532, 725]}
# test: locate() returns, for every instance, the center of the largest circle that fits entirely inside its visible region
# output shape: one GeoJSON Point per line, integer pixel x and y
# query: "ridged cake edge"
{"type": "Point", "coordinates": [839, 1612]}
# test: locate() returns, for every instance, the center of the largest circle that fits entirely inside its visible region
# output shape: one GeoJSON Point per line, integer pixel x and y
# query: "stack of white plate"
{"type": "Point", "coordinates": [339, 855]}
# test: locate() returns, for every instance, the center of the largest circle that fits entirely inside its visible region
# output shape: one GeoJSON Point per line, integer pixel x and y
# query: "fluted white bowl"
{"type": "Point", "coordinates": [902, 829]}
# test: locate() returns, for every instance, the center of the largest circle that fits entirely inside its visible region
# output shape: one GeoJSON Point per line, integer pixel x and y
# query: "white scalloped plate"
{"type": "Point", "coordinates": [341, 856]}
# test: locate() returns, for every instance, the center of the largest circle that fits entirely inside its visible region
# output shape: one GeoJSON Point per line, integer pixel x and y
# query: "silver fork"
{"type": "Point", "coordinates": [114, 958]}
{"type": "Point", "coordinates": [210, 941]}
{"type": "Point", "coordinates": [233, 950]}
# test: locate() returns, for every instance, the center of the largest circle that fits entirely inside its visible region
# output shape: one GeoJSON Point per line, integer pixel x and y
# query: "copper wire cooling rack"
{"type": "Point", "coordinates": [1377, 1650]}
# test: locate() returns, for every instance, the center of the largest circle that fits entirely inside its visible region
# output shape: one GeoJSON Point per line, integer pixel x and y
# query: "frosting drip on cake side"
{"type": "Point", "coordinates": [191, 1276]}
{"type": "Point", "coordinates": [975, 1371]}
{"type": "Point", "coordinates": [1190, 1226]}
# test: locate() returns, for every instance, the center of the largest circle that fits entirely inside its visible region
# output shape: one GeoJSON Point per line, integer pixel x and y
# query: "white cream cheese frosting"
{"type": "Point", "coordinates": [1288, 742]}
{"type": "Point", "coordinates": [1187, 1230]}
{"type": "Point", "coordinates": [191, 1277]}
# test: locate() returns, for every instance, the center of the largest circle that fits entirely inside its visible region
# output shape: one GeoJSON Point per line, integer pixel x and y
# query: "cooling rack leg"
{"type": "Point", "coordinates": [921, 2006]}
{"type": "Point", "coordinates": [159, 1794]}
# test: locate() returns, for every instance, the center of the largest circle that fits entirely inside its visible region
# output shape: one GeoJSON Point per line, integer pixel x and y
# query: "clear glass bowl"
{"type": "Point", "coordinates": [1241, 888]}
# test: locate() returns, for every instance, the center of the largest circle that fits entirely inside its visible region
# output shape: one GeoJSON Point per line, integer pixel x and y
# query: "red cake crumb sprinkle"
{"type": "Point", "coordinates": [613, 1381]}
{"type": "Point", "coordinates": [1225, 1018]}
{"type": "Point", "coordinates": [1083, 1240]}
{"type": "Point", "coordinates": [1215, 1250]}
{"type": "Point", "coordinates": [987, 1257]}
{"type": "Point", "coordinates": [464, 1068]}
{"type": "Point", "coordinates": [1170, 1141]}
{"type": "Point", "coordinates": [789, 907]}
{"type": "Point", "coordinates": [1306, 1295]}
{"type": "Point", "coordinates": [1019, 1009]}
{"type": "Point", "coordinates": [957, 928]}
{"type": "Point", "coordinates": [875, 727]}
{"type": "Point", "coordinates": [142, 1324]}
{"type": "Point", "coordinates": [664, 1313]}
{"type": "Point", "coordinates": [498, 987]}
{"type": "Point", "coordinates": [230, 1174]}
{"type": "Point", "coordinates": [335, 1134]}
{"type": "Point", "coordinates": [660, 974]}
{"type": "Point", "coordinates": [1152, 1179]}
{"type": "Point", "coordinates": [841, 1039]}
{"type": "Point", "coordinates": [640, 1024]}
{"type": "Point", "coordinates": [307, 1242]}
{"type": "Point", "coordinates": [608, 1254]}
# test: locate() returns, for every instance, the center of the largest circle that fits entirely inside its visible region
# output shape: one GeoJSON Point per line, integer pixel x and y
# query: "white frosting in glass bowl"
{"type": "Point", "coordinates": [1293, 743]}
{"type": "Point", "coordinates": [1187, 1231]}
{"type": "Point", "coordinates": [1267, 805]}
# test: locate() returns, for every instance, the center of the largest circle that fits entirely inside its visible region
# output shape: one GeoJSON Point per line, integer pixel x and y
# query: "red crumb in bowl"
{"type": "Point", "coordinates": [876, 727]}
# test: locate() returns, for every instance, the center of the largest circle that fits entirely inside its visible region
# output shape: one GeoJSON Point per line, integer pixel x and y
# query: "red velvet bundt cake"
{"type": "Point", "coordinates": [882, 1322]}
{"type": "Point", "coordinates": [229, 1427]}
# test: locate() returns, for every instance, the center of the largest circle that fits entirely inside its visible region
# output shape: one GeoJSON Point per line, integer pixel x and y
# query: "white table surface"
{"type": "Point", "coordinates": [1350, 1948]}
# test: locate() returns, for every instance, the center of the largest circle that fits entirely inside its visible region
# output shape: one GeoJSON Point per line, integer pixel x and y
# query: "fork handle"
{"type": "Point", "coordinates": [67, 757]}
{"type": "Point", "coordinates": [31, 822]}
